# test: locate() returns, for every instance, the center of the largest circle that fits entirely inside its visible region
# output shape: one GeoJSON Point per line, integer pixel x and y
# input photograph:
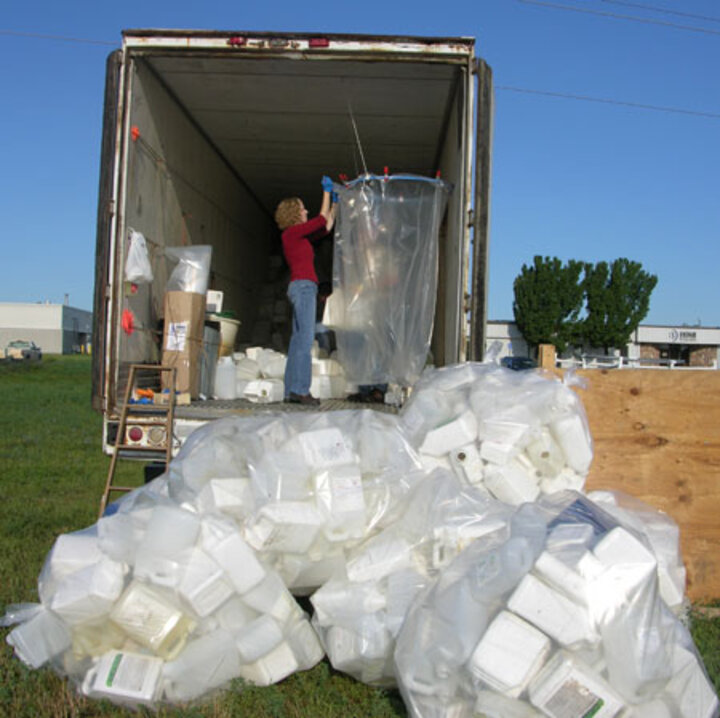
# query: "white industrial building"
{"type": "Point", "coordinates": [651, 346]}
{"type": "Point", "coordinates": [55, 328]}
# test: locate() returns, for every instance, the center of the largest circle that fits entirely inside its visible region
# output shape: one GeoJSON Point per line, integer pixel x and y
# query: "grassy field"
{"type": "Point", "coordinates": [52, 472]}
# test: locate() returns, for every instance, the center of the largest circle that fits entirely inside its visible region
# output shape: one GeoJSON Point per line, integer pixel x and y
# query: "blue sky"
{"type": "Point", "coordinates": [572, 178]}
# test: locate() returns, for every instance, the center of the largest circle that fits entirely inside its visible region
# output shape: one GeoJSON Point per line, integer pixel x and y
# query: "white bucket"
{"type": "Point", "coordinates": [228, 333]}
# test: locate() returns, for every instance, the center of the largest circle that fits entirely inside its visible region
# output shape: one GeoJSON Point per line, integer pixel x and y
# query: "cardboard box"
{"type": "Point", "coordinates": [183, 339]}
{"type": "Point", "coordinates": [181, 399]}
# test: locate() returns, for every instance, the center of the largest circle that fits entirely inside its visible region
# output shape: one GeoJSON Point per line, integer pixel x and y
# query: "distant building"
{"type": "Point", "coordinates": [651, 345]}
{"type": "Point", "coordinates": [55, 328]}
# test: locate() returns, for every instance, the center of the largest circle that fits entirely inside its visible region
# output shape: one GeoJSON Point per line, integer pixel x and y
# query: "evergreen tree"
{"type": "Point", "coordinates": [548, 301]}
{"type": "Point", "coordinates": [618, 299]}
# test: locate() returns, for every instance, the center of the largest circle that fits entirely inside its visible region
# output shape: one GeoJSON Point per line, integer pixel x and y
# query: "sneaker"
{"type": "Point", "coordinates": [307, 399]}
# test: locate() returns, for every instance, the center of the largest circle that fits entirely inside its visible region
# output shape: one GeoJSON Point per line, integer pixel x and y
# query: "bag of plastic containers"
{"type": "Point", "coordinates": [385, 276]}
{"type": "Point", "coordinates": [564, 619]}
{"type": "Point", "coordinates": [515, 434]}
{"type": "Point", "coordinates": [159, 603]}
{"type": "Point", "coordinates": [359, 611]}
{"type": "Point", "coordinates": [191, 271]}
{"type": "Point", "coordinates": [304, 487]}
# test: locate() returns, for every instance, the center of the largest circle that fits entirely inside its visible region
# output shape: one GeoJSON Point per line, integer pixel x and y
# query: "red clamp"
{"type": "Point", "coordinates": [134, 133]}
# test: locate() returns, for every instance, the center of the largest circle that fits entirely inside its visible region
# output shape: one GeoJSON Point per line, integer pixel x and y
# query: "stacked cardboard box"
{"type": "Point", "coordinates": [183, 338]}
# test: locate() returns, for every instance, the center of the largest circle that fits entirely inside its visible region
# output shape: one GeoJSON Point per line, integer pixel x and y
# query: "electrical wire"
{"type": "Point", "coordinates": [610, 101]}
{"type": "Point", "coordinates": [666, 11]}
{"type": "Point", "coordinates": [616, 16]}
{"type": "Point", "coordinates": [357, 136]}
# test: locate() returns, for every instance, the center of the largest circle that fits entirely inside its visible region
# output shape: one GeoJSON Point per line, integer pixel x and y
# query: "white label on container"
{"type": "Point", "coordinates": [573, 700]}
{"type": "Point", "coordinates": [348, 494]}
{"type": "Point", "coordinates": [127, 673]}
{"type": "Point", "coordinates": [176, 336]}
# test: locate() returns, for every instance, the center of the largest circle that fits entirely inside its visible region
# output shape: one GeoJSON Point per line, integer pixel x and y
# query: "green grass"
{"type": "Point", "coordinates": [52, 472]}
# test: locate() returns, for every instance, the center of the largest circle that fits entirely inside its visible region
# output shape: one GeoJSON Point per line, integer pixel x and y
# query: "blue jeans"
{"type": "Point", "coordinates": [298, 371]}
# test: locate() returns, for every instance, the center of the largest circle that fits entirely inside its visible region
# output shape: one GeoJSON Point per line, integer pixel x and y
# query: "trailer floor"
{"type": "Point", "coordinates": [217, 408]}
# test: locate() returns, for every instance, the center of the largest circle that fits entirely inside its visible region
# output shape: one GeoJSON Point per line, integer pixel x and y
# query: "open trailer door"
{"type": "Point", "coordinates": [481, 212]}
{"type": "Point", "coordinates": [107, 207]}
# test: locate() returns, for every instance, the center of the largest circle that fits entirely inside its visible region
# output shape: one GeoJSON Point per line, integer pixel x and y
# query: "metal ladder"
{"type": "Point", "coordinates": [144, 429]}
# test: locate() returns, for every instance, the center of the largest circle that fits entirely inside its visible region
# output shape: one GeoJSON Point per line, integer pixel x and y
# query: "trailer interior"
{"type": "Point", "coordinates": [208, 131]}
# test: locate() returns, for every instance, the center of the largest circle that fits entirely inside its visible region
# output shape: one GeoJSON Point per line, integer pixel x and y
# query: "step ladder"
{"type": "Point", "coordinates": [144, 430]}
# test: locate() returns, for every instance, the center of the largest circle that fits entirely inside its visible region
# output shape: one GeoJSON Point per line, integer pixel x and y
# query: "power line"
{"type": "Point", "coordinates": [666, 11]}
{"type": "Point", "coordinates": [633, 18]}
{"type": "Point", "coordinates": [609, 101]}
{"type": "Point", "coordinates": [56, 37]}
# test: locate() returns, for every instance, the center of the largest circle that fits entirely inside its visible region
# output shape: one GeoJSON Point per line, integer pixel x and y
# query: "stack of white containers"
{"type": "Point", "coordinates": [159, 602]}
{"type": "Point", "coordinates": [563, 621]}
{"type": "Point", "coordinates": [515, 434]}
{"type": "Point", "coordinates": [303, 487]}
{"type": "Point", "coordinates": [359, 611]}
{"type": "Point", "coordinates": [258, 373]}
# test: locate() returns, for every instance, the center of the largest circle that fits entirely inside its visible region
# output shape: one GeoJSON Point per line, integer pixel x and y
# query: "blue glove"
{"type": "Point", "coordinates": [334, 197]}
{"type": "Point", "coordinates": [327, 184]}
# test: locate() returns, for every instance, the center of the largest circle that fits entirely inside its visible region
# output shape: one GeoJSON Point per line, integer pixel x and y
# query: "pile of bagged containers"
{"type": "Point", "coordinates": [448, 550]}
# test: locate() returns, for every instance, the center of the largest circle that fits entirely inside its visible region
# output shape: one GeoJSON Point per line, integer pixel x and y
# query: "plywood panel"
{"type": "Point", "coordinates": [657, 437]}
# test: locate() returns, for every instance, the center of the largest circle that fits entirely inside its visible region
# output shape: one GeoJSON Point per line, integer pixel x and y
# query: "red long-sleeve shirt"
{"type": "Point", "coordinates": [298, 250]}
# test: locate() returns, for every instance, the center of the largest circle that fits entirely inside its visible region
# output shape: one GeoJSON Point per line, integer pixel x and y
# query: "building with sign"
{"type": "Point", "coordinates": [651, 345]}
{"type": "Point", "coordinates": [690, 346]}
{"type": "Point", "coordinates": [55, 328]}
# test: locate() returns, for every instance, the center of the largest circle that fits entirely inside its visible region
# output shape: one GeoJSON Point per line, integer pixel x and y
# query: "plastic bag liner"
{"type": "Point", "coordinates": [137, 263]}
{"type": "Point", "coordinates": [563, 619]}
{"type": "Point", "coordinates": [191, 272]}
{"type": "Point", "coordinates": [157, 604]}
{"type": "Point", "coordinates": [359, 611]}
{"type": "Point", "coordinates": [385, 276]}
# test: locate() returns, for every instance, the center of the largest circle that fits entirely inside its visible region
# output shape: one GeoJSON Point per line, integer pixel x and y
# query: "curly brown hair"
{"type": "Point", "coordinates": [288, 212]}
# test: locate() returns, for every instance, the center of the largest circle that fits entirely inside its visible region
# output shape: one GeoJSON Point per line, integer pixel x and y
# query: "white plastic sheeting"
{"type": "Point", "coordinates": [385, 270]}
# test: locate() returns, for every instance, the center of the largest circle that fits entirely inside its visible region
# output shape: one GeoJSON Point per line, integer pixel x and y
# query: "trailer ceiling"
{"type": "Point", "coordinates": [282, 123]}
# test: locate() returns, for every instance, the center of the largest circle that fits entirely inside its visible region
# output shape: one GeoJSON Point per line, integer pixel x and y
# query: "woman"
{"type": "Point", "coordinates": [298, 234]}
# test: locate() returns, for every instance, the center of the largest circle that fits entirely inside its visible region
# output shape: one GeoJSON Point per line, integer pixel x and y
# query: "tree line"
{"type": "Point", "coordinates": [580, 303]}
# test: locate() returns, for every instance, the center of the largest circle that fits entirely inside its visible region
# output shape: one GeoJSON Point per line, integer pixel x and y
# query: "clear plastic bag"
{"type": "Point", "coordinates": [138, 268]}
{"type": "Point", "coordinates": [516, 434]}
{"type": "Point", "coordinates": [158, 603]}
{"type": "Point", "coordinates": [191, 272]}
{"type": "Point", "coordinates": [359, 611]}
{"type": "Point", "coordinates": [308, 486]}
{"type": "Point", "coordinates": [566, 622]}
{"type": "Point", "coordinates": [385, 276]}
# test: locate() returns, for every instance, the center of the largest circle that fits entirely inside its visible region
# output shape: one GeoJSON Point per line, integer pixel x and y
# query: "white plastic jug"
{"type": "Point", "coordinates": [225, 379]}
